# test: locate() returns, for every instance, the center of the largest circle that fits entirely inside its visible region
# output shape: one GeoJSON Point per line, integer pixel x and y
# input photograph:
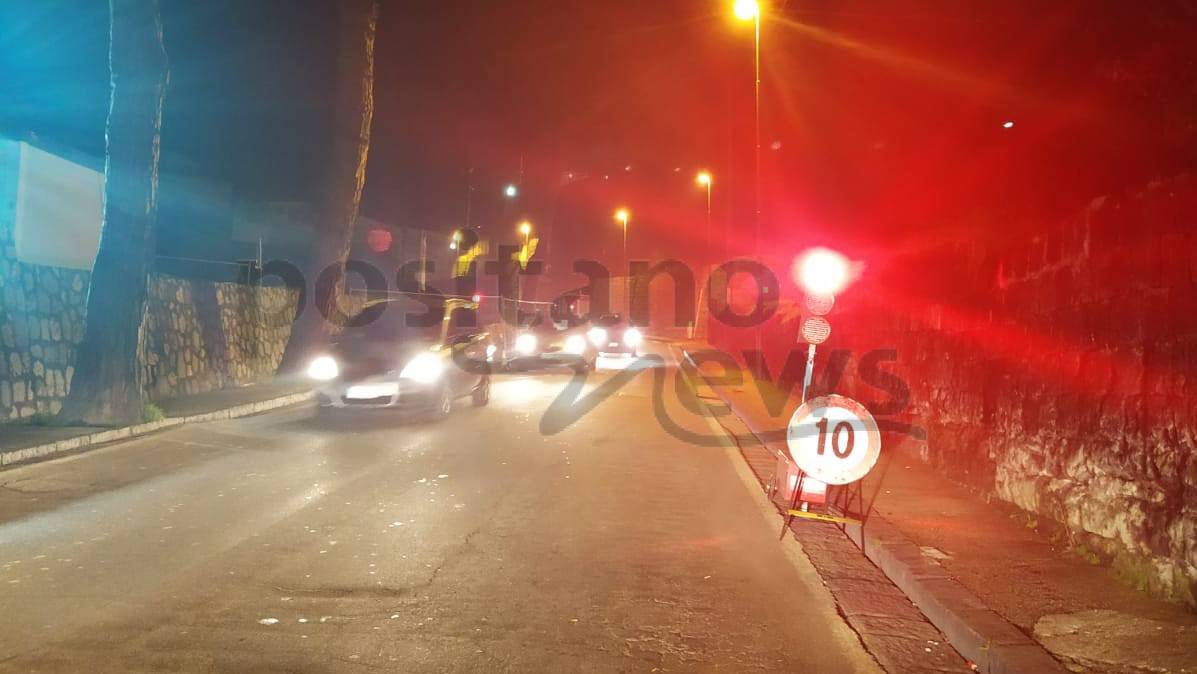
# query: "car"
{"type": "Point", "coordinates": [540, 342]}
{"type": "Point", "coordinates": [611, 335]}
{"type": "Point", "coordinates": [373, 368]}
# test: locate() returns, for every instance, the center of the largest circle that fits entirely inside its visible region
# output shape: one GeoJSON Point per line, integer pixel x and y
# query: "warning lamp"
{"type": "Point", "coordinates": [821, 271]}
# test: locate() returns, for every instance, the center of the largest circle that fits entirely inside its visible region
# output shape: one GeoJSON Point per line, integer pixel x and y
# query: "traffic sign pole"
{"type": "Point", "coordinates": [810, 369]}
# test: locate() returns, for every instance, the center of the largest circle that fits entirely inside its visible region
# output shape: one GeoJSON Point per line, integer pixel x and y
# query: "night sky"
{"type": "Point", "coordinates": [883, 119]}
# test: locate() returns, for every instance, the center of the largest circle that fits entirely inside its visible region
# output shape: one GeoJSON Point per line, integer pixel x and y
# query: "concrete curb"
{"type": "Point", "coordinates": [79, 442]}
{"type": "Point", "coordinates": [990, 641]}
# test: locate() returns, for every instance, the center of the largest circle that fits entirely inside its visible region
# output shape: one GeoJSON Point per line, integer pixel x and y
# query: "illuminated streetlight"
{"type": "Point", "coordinates": [704, 179]}
{"type": "Point", "coordinates": [747, 10]}
{"type": "Point", "coordinates": [511, 191]}
{"type": "Point", "coordinates": [622, 216]}
{"type": "Point", "coordinates": [526, 230]}
{"type": "Point", "coordinates": [750, 10]}
{"type": "Point", "coordinates": [453, 244]}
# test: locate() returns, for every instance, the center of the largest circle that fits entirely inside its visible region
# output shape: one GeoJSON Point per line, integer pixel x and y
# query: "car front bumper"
{"type": "Point", "coordinates": [403, 395]}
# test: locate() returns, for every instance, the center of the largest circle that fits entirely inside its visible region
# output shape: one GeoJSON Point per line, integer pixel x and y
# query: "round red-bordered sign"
{"type": "Point", "coordinates": [815, 330]}
{"type": "Point", "coordinates": [834, 439]}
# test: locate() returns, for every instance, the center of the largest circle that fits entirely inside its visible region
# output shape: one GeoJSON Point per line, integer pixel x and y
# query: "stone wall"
{"type": "Point", "coordinates": [1059, 374]}
{"type": "Point", "coordinates": [41, 317]}
{"type": "Point", "coordinates": [199, 336]}
{"type": "Point", "coordinates": [202, 336]}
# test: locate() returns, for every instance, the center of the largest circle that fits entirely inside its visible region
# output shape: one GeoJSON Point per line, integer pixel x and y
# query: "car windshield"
{"type": "Point", "coordinates": [815, 336]}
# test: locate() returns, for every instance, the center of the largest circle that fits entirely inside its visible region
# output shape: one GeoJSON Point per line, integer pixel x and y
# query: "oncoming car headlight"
{"type": "Point", "coordinates": [575, 344]}
{"type": "Point", "coordinates": [424, 368]}
{"type": "Point", "coordinates": [323, 368]}
{"type": "Point", "coordinates": [525, 343]}
{"type": "Point", "coordinates": [597, 336]}
{"type": "Point", "coordinates": [632, 337]}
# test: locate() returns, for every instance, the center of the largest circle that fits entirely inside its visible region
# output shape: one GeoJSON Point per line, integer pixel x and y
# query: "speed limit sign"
{"type": "Point", "coordinates": [834, 439]}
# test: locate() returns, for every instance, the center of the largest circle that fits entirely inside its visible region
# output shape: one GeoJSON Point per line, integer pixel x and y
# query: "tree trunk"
{"type": "Point", "coordinates": [342, 194]}
{"type": "Point", "coordinates": [107, 386]}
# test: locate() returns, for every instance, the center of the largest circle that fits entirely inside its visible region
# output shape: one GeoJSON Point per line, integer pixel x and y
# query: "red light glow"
{"type": "Point", "coordinates": [379, 240]}
{"type": "Point", "coordinates": [821, 271]}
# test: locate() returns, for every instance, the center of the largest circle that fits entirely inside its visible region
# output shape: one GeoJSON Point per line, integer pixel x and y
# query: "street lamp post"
{"type": "Point", "coordinates": [622, 216]}
{"type": "Point", "coordinates": [750, 10]}
{"type": "Point", "coordinates": [704, 180]}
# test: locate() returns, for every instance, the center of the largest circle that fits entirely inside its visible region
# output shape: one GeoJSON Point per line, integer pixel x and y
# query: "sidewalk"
{"type": "Point", "coordinates": [987, 575]}
{"type": "Point", "coordinates": [23, 442]}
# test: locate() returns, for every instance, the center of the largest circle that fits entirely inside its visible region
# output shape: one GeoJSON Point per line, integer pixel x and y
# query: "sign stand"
{"type": "Point", "coordinates": [835, 441]}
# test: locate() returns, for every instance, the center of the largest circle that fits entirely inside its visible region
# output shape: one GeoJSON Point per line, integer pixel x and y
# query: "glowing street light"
{"type": "Point", "coordinates": [622, 216]}
{"type": "Point", "coordinates": [750, 10]}
{"type": "Point", "coordinates": [456, 241]}
{"type": "Point", "coordinates": [747, 10]}
{"type": "Point", "coordinates": [704, 180]}
{"type": "Point", "coordinates": [526, 230]}
{"type": "Point", "coordinates": [511, 191]}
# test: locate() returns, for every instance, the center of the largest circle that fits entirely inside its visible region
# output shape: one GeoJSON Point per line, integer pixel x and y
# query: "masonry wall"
{"type": "Point", "coordinates": [199, 336]}
{"type": "Point", "coordinates": [1058, 374]}
{"type": "Point", "coordinates": [202, 336]}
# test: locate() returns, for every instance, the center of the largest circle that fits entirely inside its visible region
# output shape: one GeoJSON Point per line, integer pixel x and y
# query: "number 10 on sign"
{"type": "Point", "coordinates": [833, 439]}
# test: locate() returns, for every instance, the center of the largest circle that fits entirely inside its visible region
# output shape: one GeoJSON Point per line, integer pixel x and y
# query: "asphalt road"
{"type": "Point", "coordinates": [519, 537]}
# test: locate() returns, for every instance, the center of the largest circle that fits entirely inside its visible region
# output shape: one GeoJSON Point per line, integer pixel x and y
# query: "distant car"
{"type": "Point", "coordinates": [612, 335]}
{"type": "Point", "coordinates": [376, 369]}
{"type": "Point", "coordinates": [540, 342]}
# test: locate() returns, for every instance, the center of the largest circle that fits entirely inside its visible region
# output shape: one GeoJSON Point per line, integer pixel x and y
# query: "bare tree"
{"type": "Point", "coordinates": [107, 386]}
{"type": "Point", "coordinates": [342, 194]}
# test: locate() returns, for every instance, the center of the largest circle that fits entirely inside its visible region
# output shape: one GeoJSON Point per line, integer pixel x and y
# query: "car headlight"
{"type": "Point", "coordinates": [597, 336]}
{"type": "Point", "coordinates": [323, 368]}
{"type": "Point", "coordinates": [526, 344]}
{"type": "Point", "coordinates": [575, 344]}
{"type": "Point", "coordinates": [424, 368]}
{"type": "Point", "coordinates": [632, 337]}
{"type": "Point", "coordinates": [491, 350]}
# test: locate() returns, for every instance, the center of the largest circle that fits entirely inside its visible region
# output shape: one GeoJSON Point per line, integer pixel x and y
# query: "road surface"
{"type": "Point", "coordinates": [498, 540]}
